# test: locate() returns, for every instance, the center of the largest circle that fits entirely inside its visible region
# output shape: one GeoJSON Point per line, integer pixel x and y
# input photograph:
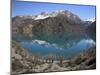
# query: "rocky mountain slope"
{"type": "Point", "coordinates": [55, 23]}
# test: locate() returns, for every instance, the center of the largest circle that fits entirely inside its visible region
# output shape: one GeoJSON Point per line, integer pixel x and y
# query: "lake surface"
{"type": "Point", "coordinates": [69, 45]}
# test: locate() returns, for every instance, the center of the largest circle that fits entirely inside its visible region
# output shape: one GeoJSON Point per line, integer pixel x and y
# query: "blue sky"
{"type": "Point", "coordinates": [33, 8]}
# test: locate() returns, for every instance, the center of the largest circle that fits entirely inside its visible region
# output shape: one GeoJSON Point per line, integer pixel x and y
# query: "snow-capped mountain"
{"type": "Point", "coordinates": [91, 19]}
{"type": "Point", "coordinates": [53, 23]}
{"type": "Point", "coordinates": [45, 15]}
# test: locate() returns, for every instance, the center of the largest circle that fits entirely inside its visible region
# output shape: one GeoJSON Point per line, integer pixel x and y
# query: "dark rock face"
{"type": "Point", "coordinates": [91, 30]}
{"type": "Point", "coordinates": [92, 27]}
{"type": "Point", "coordinates": [85, 24]}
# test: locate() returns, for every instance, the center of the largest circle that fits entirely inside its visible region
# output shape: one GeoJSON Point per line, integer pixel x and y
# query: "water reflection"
{"type": "Point", "coordinates": [69, 45]}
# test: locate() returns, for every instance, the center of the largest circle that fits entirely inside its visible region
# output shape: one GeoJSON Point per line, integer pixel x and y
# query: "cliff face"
{"type": "Point", "coordinates": [58, 23]}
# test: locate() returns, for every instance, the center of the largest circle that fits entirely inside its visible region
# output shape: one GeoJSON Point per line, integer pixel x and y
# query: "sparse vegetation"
{"type": "Point", "coordinates": [36, 63]}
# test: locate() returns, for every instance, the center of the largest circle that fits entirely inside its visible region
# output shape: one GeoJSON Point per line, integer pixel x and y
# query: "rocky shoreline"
{"type": "Point", "coordinates": [23, 62]}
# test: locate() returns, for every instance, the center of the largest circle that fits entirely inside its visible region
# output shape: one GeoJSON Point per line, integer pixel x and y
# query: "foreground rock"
{"type": "Point", "coordinates": [23, 62]}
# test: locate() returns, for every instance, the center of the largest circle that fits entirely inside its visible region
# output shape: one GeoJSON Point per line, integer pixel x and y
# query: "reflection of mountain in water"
{"type": "Point", "coordinates": [67, 45]}
{"type": "Point", "coordinates": [63, 40]}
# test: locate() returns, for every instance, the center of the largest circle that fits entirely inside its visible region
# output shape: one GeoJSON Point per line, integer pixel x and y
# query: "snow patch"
{"type": "Point", "coordinates": [41, 17]}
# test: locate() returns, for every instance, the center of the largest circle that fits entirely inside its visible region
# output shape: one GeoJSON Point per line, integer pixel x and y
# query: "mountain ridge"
{"type": "Point", "coordinates": [56, 23]}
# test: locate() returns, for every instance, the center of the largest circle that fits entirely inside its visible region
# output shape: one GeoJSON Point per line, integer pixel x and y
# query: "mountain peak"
{"type": "Point", "coordinates": [91, 19]}
{"type": "Point", "coordinates": [59, 13]}
{"type": "Point", "coordinates": [66, 13]}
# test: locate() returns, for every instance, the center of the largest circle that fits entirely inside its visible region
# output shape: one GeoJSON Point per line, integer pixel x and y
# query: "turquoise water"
{"type": "Point", "coordinates": [68, 46]}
